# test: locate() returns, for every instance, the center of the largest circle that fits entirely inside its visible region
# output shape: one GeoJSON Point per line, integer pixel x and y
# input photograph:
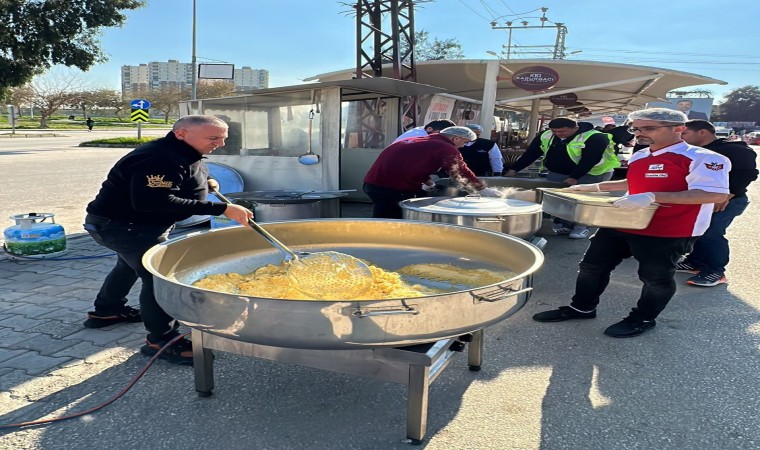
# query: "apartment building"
{"type": "Point", "coordinates": [157, 75]}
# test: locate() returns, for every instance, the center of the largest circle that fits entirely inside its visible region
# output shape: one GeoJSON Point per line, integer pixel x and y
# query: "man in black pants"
{"type": "Point", "coordinates": [145, 193]}
{"type": "Point", "coordinates": [709, 258]}
{"type": "Point", "coordinates": [658, 173]}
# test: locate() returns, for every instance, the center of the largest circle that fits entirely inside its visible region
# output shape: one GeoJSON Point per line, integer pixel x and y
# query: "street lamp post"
{"type": "Point", "coordinates": [194, 88]}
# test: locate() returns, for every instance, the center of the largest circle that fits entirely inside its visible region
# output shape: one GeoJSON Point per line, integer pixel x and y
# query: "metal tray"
{"type": "Point", "coordinates": [601, 213]}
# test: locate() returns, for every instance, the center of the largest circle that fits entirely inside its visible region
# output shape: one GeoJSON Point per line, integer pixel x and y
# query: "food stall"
{"type": "Point", "coordinates": [342, 125]}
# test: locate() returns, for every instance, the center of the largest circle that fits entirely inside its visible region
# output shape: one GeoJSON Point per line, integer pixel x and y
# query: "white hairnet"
{"type": "Point", "coordinates": [462, 132]}
{"type": "Point", "coordinates": [659, 115]}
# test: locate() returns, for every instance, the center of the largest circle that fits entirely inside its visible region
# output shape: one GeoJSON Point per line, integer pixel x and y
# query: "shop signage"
{"type": "Point", "coordinates": [564, 99]}
{"type": "Point", "coordinates": [535, 78]}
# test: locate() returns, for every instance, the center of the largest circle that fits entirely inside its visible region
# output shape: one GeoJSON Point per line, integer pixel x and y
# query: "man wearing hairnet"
{"type": "Point", "coordinates": [482, 156]}
{"type": "Point", "coordinates": [404, 168]}
{"type": "Point", "coordinates": [685, 181]}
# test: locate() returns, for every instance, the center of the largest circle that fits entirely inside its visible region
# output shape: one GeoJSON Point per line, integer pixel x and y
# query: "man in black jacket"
{"type": "Point", "coordinates": [145, 193]}
{"type": "Point", "coordinates": [710, 256]}
{"type": "Point", "coordinates": [573, 153]}
{"type": "Point", "coordinates": [482, 156]}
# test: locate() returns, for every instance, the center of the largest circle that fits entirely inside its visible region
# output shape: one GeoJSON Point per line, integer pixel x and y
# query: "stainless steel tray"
{"type": "Point", "coordinates": [597, 213]}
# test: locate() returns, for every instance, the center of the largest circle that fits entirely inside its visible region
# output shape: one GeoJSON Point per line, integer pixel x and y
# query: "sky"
{"type": "Point", "coordinates": [297, 39]}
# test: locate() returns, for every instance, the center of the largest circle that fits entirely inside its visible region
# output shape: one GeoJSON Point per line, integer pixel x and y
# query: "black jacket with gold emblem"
{"type": "Point", "coordinates": [161, 182]}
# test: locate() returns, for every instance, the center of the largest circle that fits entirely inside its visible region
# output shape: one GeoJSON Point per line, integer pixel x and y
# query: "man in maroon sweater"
{"type": "Point", "coordinates": [404, 166]}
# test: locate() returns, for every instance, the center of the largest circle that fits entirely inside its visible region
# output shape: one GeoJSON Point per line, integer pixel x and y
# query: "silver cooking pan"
{"type": "Point", "coordinates": [390, 244]}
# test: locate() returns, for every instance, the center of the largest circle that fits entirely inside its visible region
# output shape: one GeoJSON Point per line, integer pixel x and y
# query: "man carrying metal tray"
{"type": "Point", "coordinates": [686, 182]}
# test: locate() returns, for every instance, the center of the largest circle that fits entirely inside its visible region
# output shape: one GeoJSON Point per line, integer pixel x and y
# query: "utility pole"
{"type": "Point", "coordinates": [194, 85]}
{"type": "Point", "coordinates": [559, 42]}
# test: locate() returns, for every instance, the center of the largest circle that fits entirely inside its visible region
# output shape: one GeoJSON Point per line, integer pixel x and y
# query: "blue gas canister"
{"type": "Point", "coordinates": [33, 237]}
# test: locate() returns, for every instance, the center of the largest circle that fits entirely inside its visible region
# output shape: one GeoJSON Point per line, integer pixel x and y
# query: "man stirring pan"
{"type": "Point", "coordinates": [145, 193]}
{"type": "Point", "coordinates": [686, 181]}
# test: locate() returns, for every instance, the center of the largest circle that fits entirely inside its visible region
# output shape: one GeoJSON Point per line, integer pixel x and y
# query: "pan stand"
{"type": "Point", "coordinates": [415, 366]}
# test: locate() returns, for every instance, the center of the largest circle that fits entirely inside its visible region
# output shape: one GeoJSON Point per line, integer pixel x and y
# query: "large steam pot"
{"type": "Point", "coordinates": [389, 244]}
{"type": "Point", "coordinates": [510, 216]}
{"type": "Point", "coordinates": [276, 206]}
{"type": "Point", "coordinates": [450, 188]}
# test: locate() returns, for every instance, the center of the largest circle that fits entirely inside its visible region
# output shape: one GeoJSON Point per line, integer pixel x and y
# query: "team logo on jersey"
{"type": "Point", "coordinates": [157, 181]}
{"type": "Point", "coordinates": [714, 166]}
{"type": "Point", "coordinates": [657, 167]}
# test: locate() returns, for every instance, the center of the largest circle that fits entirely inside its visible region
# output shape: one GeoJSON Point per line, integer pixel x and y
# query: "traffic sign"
{"type": "Point", "coordinates": [139, 115]}
{"type": "Point", "coordinates": [139, 104]}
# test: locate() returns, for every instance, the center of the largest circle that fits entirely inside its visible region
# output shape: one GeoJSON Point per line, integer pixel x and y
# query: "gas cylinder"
{"type": "Point", "coordinates": [33, 237]}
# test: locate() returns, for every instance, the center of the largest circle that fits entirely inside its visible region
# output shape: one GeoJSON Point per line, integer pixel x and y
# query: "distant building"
{"type": "Point", "coordinates": [157, 75]}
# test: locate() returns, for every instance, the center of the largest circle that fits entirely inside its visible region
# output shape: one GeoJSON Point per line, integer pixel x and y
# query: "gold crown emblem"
{"type": "Point", "coordinates": [158, 181]}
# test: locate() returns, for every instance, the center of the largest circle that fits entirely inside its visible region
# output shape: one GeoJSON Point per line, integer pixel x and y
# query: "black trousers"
{"type": "Point", "coordinates": [130, 241]}
{"type": "Point", "coordinates": [657, 257]}
{"type": "Point", "coordinates": [385, 201]}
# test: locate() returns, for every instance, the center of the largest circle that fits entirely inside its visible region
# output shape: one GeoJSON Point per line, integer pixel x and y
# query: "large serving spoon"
{"type": "Point", "coordinates": [320, 275]}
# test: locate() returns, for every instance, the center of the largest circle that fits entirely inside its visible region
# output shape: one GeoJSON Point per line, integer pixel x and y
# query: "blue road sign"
{"type": "Point", "coordinates": [139, 104]}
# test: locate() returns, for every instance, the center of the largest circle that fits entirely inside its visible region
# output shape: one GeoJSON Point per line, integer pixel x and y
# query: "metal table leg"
{"type": "Point", "coordinates": [475, 351]}
{"type": "Point", "coordinates": [203, 365]}
{"type": "Point", "coordinates": [417, 403]}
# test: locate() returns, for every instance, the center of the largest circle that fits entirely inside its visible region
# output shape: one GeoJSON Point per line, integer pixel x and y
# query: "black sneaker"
{"type": "Point", "coordinates": [629, 327]}
{"type": "Point", "coordinates": [181, 352]}
{"type": "Point", "coordinates": [686, 267]}
{"type": "Point", "coordinates": [707, 279]}
{"type": "Point", "coordinates": [100, 320]}
{"type": "Point", "coordinates": [563, 313]}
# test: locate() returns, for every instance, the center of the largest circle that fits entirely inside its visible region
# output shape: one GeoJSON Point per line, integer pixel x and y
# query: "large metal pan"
{"type": "Point", "coordinates": [389, 244]}
{"type": "Point", "coordinates": [526, 187]}
{"type": "Point", "coordinates": [595, 209]}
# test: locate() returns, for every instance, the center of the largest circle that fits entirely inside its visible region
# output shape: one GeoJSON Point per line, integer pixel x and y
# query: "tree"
{"type": "Point", "coordinates": [35, 35]}
{"type": "Point", "coordinates": [214, 89]}
{"type": "Point", "coordinates": [100, 98]}
{"type": "Point", "coordinates": [740, 105]}
{"type": "Point", "coordinates": [51, 92]}
{"type": "Point", "coordinates": [166, 100]}
{"type": "Point", "coordinates": [437, 50]}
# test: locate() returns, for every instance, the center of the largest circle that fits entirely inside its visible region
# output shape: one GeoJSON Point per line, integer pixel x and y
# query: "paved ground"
{"type": "Point", "coordinates": [691, 383]}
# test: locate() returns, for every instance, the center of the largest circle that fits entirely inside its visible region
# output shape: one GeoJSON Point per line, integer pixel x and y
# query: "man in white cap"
{"type": "Point", "coordinates": [482, 156]}
{"type": "Point", "coordinates": [402, 169]}
{"type": "Point", "coordinates": [686, 182]}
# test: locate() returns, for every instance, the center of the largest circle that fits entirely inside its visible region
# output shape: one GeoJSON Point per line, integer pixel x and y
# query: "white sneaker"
{"type": "Point", "coordinates": [579, 233]}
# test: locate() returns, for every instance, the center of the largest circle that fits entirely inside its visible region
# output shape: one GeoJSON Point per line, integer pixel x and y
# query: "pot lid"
{"type": "Point", "coordinates": [474, 206]}
{"type": "Point", "coordinates": [284, 196]}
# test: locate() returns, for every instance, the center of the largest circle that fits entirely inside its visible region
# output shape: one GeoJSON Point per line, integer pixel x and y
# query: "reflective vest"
{"type": "Point", "coordinates": [575, 147]}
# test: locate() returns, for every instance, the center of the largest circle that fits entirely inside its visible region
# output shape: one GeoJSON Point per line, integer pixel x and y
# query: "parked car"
{"type": "Point", "coordinates": [752, 138]}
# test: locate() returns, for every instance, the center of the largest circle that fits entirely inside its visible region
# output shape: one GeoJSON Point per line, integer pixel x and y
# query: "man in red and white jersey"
{"type": "Point", "coordinates": [686, 182]}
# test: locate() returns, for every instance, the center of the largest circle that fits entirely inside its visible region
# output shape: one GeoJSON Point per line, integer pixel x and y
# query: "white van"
{"type": "Point", "coordinates": [723, 132]}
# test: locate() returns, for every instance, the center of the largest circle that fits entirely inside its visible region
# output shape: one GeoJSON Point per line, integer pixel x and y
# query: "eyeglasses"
{"type": "Point", "coordinates": [647, 129]}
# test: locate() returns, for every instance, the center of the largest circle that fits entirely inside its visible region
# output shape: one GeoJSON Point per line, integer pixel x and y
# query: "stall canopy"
{"type": "Point", "coordinates": [603, 88]}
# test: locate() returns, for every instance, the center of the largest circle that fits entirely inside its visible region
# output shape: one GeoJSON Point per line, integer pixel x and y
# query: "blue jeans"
{"type": "Point", "coordinates": [585, 179]}
{"type": "Point", "coordinates": [711, 251]}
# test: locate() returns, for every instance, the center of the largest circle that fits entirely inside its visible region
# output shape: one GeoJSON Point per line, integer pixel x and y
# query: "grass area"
{"type": "Point", "coordinates": [119, 141]}
{"type": "Point", "coordinates": [63, 123]}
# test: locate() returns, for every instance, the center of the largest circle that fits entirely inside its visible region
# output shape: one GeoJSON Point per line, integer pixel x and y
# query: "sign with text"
{"type": "Point", "coordinates": [563, 99]}
{"type": "Point", "coordinates": [535, 78]}
{"type": "Point", "coordinates": [440, 108]}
